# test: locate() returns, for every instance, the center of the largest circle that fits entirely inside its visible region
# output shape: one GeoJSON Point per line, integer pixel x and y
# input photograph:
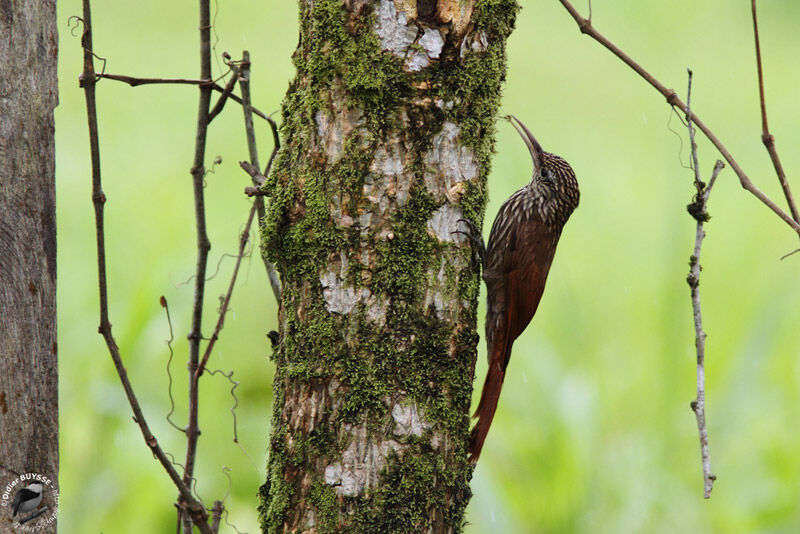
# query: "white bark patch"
{"type": "Point", "coordinates": [450, 162]}
{"type": "Point", "coordinates": [417, 61]}
{"type": "Point", "coordinates": [361, 463]}
{"type": "Point", "coordinates": [444, 223]}
{"type": "Point", "coordinates": [432, 42]}
{"type": "Point", "coordinates": [386, 186]}
{"type": "Point", "coordinates": [393, 29]}
{"type": "Point", "coordinates": [365, 221]}
{"type": "Point", "coordinates": [441, 104]}
{"type": "Point", "coordinates": [477, 43]}
{"type": "Point", "coordinates": [407, 420]}
{"type": "Point", "coordinates": [480, 43]}
{"type": "Point", "coordinates": [376, 310]}
{"type": "Point", "coordinates": [388, 162]}
{"type": "Point", "coordinates": [340, 297]}
{"type": "Point", "coordinates": [333, 474]}
{"type": "Point", "coordinates": [331, 138]}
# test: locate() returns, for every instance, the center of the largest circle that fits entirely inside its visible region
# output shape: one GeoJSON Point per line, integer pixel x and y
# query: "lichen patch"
{"type": "Point", "coordinates": [361, 463]}
{"type": "Point", "coordinates": [448, 162]}
{"type": "Point", "coordinates": [445, 226]}
{"type": "Point", "coordinates": [340, 297]}
{"type": "Point", "coordinates": [417, 60]}
{"type": "Point", "coordinates": [432, 42]}
{"type": "Point", "coordinates": [407, 421]}
{"type": "Point", "coordinates": [393, 28]}
{"type": "Point", "coordinates": [477, 42]}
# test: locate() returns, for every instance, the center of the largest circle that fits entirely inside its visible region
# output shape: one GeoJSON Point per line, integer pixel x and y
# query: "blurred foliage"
{"type": "Point", "coordinates": [594, 431]}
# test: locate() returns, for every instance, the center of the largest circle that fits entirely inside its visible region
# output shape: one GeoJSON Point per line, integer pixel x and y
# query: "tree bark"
{"type": "Point", "coordinates": [389, 129]}
{"type": "Point", "coordinates": [28, 365]}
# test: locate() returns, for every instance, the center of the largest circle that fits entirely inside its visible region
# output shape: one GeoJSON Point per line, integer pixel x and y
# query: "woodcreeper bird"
{"type": "Point", "coordinates": [516, 263]}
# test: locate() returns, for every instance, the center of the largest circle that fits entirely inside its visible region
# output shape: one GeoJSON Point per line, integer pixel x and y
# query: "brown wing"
{"type": "Point", "coordinates": [527, 266]}
{"type": "Point", "coordinates": [515, 285]}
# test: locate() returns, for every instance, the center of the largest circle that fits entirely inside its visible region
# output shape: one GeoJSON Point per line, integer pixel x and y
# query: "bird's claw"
{"type": "Point", "coordinates": [473, 233]}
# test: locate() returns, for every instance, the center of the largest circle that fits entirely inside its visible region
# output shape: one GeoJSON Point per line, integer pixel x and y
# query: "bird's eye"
{"type": "Point", "coordinates": [545, 173]}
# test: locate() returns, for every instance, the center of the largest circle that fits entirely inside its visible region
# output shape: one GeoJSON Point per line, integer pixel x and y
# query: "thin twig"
{"type": "Point", "coordinates": [256, 175]}
{"type": "Point", "coordinates": [223, 98]}
{"type": "Point", "coordinates": [193, 507]}
{"type": "Point", "coordinates": [258, 203]}
{"type": "Point", "coordinates": [203, 245]}
{"type": "Point", "coordinates": [216, 515]}
{"type": "Point", "coordinates": [272, 124]}
{"type": "Point", "coordinates": [222, 258]}
{"type": "Point", "coordinates": [698, 210]}
{"type": "Point", "coordinates": [276, 144]}
{"type": "Point", "coordinates": [698, 183]}
{"type": "Point", "coordinates": [252, 191]}
{"type": "Point", "coordinates": [586, 27]}
{"type": "Point", "coordinates": [795, 251]}
{"type": "Point", "coordinates": [766, 137]}
{"type": "Point", "coordinates": [134, 82]}
{"type": "Point", "coordinates": [699, 404]}
{"type": "Point", "coordinates": [243, 239]}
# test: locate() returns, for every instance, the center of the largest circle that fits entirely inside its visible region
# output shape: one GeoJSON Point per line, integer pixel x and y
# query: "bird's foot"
{"type": "Point", "coordinates": [473, 233]}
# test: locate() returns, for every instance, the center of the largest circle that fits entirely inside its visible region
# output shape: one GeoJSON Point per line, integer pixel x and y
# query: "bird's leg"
{"type": "Point", "coordinates": [473, 233]}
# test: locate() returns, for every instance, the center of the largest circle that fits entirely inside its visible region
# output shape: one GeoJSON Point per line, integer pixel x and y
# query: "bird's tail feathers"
{"type": "Point", "coordinates": [486, 408]}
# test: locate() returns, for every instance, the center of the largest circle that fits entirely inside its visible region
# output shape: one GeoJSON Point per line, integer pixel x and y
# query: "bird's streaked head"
{"type": "Point", "coordinates": [553, 179]}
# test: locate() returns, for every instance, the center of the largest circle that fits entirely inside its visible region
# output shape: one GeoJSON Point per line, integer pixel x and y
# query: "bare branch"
{"type": "Point", "coordinates": [766, 137]}
{"type": "Point", "coordinates": [698, 183]}
{"type": "Point", "coordinates": [795, 251]}
{"type": "Point", "coordinates": [672, 98]}
{"type": "Point", "coordinates": [252, 191]}
{"type": "Point", "coordinates": [193, 507]}
{"type": "Point", "coordinates": [255, 174]}
{"type": "Point", "coordinates": [272, 124]}
{"type": "Point", "coordinates": [698, 210]}
{"type": "Point", "coordinates": [698, 405]}
{"type": "Point", "coordinates": [243, 239]}
{"type": "Point", "coordinates": [203, 246]}
{"type": "Point", "coordinates": [216, 516]}
{"type": "Point", "coordinates": [223, 98]}
{"type": "Point", "coordinates": [258, 203]}
{"type": "Point", "coordinates": [134, 82]}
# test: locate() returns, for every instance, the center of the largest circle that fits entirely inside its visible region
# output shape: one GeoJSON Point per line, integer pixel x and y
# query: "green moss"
{"type": "Point", "coordinates": [411, 487]}
{"type": "Point", "coordinates": [346, 52]}
{"type": "Point", "coordinates": [404, 258]}
{"type": "Point", "coordinates": [323, 497]}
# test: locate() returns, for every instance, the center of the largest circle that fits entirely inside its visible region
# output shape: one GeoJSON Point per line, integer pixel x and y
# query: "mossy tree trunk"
{"type": "Point", "coordinates": [389, 130]}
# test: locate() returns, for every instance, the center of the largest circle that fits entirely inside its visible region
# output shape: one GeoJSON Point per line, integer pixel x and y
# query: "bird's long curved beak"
{"type": "Point", "coordinates": [530, 141]}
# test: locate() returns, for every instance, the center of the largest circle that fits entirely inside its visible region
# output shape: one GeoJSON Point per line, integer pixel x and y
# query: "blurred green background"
{"type": "Point", "coordinates": [594, 431]}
